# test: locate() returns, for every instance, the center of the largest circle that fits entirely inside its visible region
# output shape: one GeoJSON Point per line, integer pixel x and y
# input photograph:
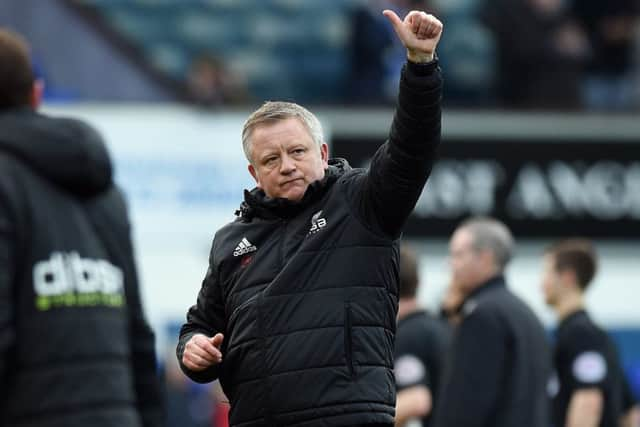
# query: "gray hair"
{"type": "Point", "coordinates": [272, 112]}
{"type": "Point", "coordinates": [489, 233]}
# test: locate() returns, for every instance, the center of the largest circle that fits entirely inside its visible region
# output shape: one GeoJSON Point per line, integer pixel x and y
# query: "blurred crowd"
{"type": "Point", "coordinates": [512, 54]}
{"type": "Point", "coordinates": [565, 54]}
{"type": "Point", "coordinates": [548, 54]}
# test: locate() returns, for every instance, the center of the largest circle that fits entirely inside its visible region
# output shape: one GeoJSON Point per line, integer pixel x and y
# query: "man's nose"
{"type": "Point", "coordinates": [287, 165]}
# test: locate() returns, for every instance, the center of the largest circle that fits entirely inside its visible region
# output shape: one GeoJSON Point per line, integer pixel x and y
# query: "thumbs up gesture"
{"type": "Point", "coordinates": [202, 351]}
{"type": "Point", "coordinates": [419, 32]}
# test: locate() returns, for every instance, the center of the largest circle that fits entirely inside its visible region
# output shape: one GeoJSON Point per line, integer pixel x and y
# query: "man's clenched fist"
{"type": "Point", "coordinates": [419, 33]}
{"type": "Point", "coordinates": [201, 352]}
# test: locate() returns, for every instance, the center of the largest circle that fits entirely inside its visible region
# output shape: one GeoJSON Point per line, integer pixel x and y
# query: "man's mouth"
{"type": "Point", "coordinates": [290, 181]}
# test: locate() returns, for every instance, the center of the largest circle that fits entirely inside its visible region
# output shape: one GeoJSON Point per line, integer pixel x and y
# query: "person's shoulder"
{"type": "Point", "coordinates": [580, 324]}
{"type": "Point", "coordinates": [78, 128]}
{"type": "Point", "coordinates": [579, 333]}
{"type": "Point", "coordinates": [434, 324]}
{"type": "Point", "coordinates": [351, 175]}
{"type": "Point", "coordinates": [232, 237]}
{"type": "Point", "coordinates": [8, 183]}
{"type": "Point", "coordinates": [489, 300]}
{"type": "Point", "coordinates": [349, 183]}
{"type": "Point", "coordinates": [110, 209]}
{"type": "Point", "coordinates": [13, 175]}
{"type": "Point", "coordinates": [416, 323]}
{"type": "Point", "coordinates": [502, 299]}
{"type": "Point", "coordinates": [500, 306]}
{"type": "Point", "coordinates": [481, 309]}
{"type": "Point", "coordinates": [227, 231]}
{"type": "Point", "coordinates": [415, 336]}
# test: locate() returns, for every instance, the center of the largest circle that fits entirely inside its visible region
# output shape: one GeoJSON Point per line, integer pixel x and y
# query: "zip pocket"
{"type": "Point", "coordinates": [348, 340]}
{"type": "Point", "coordinates": [241, 307]}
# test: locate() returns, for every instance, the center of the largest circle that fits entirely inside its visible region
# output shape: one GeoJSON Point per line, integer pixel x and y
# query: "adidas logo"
{"type": "Point", "coordinates": [244, 247]}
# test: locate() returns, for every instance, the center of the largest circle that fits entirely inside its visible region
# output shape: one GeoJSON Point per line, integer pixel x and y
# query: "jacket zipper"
{"type": "Point", "coordinates": [283, 238]}
{"type": "Point", "coordinates": [348, 340]}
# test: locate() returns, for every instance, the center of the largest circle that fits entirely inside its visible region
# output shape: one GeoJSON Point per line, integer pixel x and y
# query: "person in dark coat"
{"type": "Point", "coordinates": [296, 314]}
{"type": "Point", "coordinates": [75, 348]}
{"type": "Point", "coordinates": [496, 374]}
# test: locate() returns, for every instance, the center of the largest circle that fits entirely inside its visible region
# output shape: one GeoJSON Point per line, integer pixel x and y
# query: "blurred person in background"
{"type": "Point", "coordinates": [421, 345]}
{"type": "Point", "coordinates": [587, 388]}
{"type": "Point", "coordinates": [540, 53]}
{"type": "Point", "coordinates": [611, 27]}
{"type": "Point", "coordinates": [371, 39]}
{"type": "Point", "coordinates": [497, 369]}
{"type": "Point", "coordinates": [75, 349]}
{"type": "Point", "coordinates": [376, 55]}
{"type": "Point", "coordinates": [297, 311]}
{"type": "Point", "coordinates": [211, 84]}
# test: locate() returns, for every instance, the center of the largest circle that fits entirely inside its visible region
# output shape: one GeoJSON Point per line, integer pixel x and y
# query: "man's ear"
{"type": "Point", "coordinates": [569, 279]}
{"type": "Point", "coordinates": [487, 257]}
{"type": "Point", "coordinates": [324, 153]}
{"type": "Point", "coordinates": [253, 173]}
{"type": "Point", "coordinates": [36, 94]}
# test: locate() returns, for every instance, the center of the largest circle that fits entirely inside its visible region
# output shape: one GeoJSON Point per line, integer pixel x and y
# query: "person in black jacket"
{"type": "Point", "coordinates": [296, 314]}
{"type": "Point", "coordinates": [75, 349]}
{"type": "Point", "coordinates": [421, 345]}
{"type": "Point", "coordinates": [588, 386]}
{"type": "Point", "coordinates": [496, 374]}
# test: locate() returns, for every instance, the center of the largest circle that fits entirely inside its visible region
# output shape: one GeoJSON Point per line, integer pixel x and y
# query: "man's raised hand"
{"type": "Point", "coordinates": [201, 352]}
{"type": "Point", "coordinates": [419, 33]}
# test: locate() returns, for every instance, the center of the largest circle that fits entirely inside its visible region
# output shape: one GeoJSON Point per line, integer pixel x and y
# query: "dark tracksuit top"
{"type": "Point", "coordinates": [585, 357]}
{"type": "Point", "coordinates": [422, 341]}
{"type": "Point", "coordinates": [75, 349]}
{"type": "Point", "coordinates": [498, 369]}
{"type": "Point", "coordinates": [306, 293]}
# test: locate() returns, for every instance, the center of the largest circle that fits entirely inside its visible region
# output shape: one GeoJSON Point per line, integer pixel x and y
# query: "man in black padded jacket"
{"type": "Point", "coordinates": [75, 349]}
{"type": "Point", "coordinates": [296, 315]}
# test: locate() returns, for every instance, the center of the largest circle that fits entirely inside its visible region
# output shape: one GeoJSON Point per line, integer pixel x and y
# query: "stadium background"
{"type": "Point", "coordinates": [131, 68]}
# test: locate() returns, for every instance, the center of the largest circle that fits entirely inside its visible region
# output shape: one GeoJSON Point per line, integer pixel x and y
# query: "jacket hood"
{"type": "Point", "coordinates": [257, 203]}
{"type": "Point", "coordinates": [66, 152]}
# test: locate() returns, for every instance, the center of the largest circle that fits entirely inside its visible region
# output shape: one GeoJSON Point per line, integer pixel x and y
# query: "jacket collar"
{"type": "Point", "coordinates": [578, 314]}
{"type": "Point", "coordinates": [470, 303]}
{"type": "Point", "coordinates": [257, 204]}
{"type": "Point", "coordinates": [493, 283]}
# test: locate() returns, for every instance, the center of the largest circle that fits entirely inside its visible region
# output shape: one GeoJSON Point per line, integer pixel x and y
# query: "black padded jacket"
{"type": "Point", "coordinates": [306, 293]}
{"type": "Point", "coordinates": [75, 349]}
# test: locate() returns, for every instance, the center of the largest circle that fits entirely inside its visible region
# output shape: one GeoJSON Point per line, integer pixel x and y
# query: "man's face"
{"type": "Point", "coordinates": [551, 281]}
{"type": "Point", "coordinates": [285, 159]}
{"type": "Point", "coordinates": [465, 261]}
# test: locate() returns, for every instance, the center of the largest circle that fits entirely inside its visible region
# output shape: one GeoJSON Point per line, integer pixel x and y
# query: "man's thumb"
{"type": "Point", "coordinates": [217, 340]}
{"type": "Point", "coordinates": [395, 20]}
